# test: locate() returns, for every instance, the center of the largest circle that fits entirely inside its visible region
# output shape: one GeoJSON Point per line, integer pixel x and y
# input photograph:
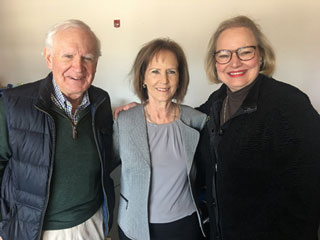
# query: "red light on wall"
{"type": "Point", "coordinates": [116, 23]}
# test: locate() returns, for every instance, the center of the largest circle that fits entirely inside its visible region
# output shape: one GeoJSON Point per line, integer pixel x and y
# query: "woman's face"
{"type": "Point", "coordinates": [162, 77]}
{"type": "Point", "coordinates": [237, 73]}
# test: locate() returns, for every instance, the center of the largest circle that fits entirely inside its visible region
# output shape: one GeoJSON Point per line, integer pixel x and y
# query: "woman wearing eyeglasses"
{"type": "Point", "coordinates": [261, 145]}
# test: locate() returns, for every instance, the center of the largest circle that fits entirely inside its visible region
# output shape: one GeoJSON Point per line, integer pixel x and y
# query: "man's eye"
{"type": "Point", "coordinates": [88, 59]}
{"type": "Point", "coordinates": [68, 56]}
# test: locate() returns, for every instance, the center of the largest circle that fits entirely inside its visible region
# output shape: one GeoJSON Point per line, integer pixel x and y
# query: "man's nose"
{"type": "Point", "coordinates": [77, 64]}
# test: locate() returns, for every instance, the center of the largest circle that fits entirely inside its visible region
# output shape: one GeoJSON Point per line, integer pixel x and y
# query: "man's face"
{"type": "Point", "coordinates": [73, 61]}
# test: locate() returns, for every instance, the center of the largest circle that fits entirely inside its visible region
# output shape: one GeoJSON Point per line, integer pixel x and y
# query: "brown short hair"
{"type": "Point", "coordinates": [145, 55]}
{"type": "Point", "coordinates": [266, 51]}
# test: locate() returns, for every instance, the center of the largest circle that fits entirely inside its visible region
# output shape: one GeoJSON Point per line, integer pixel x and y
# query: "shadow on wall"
{"type": "Point", "coordinates": [1, 82]}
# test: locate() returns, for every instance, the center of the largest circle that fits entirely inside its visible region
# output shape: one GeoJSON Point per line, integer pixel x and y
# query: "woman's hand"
{"type": "Point", "coordinates": [123, 108]}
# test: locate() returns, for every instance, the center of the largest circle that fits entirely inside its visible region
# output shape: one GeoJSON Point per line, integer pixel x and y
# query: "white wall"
{"type": "Point", "coordinates": [292, 26]}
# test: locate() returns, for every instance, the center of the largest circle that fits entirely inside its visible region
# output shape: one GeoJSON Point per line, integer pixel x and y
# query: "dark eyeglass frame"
{"type": "Point", "coordinates": [237, 53]}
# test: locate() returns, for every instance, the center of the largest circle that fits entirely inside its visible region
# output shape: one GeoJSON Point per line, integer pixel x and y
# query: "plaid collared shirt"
{"type": "Point", "coordinates": [59, 99]}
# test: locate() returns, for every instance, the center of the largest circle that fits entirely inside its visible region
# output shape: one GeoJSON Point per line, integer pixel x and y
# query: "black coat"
{"type": "Point", "coordinates": [263, 165]}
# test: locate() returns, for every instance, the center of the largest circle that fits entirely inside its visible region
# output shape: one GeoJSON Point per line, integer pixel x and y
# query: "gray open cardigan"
{"type": "Point", "coordinates": [132, 149]}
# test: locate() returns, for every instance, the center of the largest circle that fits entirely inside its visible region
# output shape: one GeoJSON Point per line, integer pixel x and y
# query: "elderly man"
{"type": "Point", "coordinates": [55, 146]}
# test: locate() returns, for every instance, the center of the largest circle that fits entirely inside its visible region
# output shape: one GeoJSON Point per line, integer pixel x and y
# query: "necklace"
{"type": "Point", "coordinates": [225, 109]}
{"type": "Point", "coordinates": [149, 118]}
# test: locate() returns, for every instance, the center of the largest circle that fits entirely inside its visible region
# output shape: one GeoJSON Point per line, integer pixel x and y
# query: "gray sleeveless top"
{"type": "Point", "coordinates": [170, 197]}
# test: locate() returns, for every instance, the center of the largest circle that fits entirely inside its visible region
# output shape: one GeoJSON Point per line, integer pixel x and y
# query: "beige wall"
{"type": "Point", "coordinates": [292, 26]}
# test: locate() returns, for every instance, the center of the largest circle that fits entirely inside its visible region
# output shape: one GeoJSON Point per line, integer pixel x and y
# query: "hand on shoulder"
{"type": "Point", "coordinates": [123, 108]}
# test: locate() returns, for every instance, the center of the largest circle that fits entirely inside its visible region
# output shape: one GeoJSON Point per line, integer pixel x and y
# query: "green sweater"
{"type": "Point", "coordinates": [75, 189]}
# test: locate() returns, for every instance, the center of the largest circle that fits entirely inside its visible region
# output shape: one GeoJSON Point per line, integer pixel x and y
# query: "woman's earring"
{"type": "Point", "coordinates": [144, 85]}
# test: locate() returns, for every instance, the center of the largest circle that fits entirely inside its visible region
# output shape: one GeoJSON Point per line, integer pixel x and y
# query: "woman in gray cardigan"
{"type": "Point", "coordinates": [156, 143]}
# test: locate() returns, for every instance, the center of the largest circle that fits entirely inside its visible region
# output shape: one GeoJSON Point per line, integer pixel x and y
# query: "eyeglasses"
{"type": "Point", "coordinates": [243, 53]}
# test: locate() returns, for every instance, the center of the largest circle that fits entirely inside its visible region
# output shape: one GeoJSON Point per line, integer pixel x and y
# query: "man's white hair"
{"type": "Point", "coordinates": [74, 23]}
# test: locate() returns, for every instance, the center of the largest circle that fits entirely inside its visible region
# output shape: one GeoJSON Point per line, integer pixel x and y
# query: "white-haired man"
{"type": "Point", "coordinates": [55, 146]}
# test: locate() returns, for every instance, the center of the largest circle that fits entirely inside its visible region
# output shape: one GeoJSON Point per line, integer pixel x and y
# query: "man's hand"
{"type": "Point", "coordinates": [123, 108]}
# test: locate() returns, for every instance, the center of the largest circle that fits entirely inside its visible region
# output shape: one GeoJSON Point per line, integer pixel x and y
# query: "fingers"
{"type": "Point", "coordinates": [116, 113]}
{"type": "Point", "coordinates": [122, 108]}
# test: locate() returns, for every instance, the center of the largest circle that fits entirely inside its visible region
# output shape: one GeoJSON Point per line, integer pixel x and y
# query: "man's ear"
{"type": "Point", "coordinates": [47, 53]}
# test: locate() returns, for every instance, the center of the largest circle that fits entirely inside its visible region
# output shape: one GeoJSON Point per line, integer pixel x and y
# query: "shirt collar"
{"type": "Point", "coordinates": [62, 102]}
